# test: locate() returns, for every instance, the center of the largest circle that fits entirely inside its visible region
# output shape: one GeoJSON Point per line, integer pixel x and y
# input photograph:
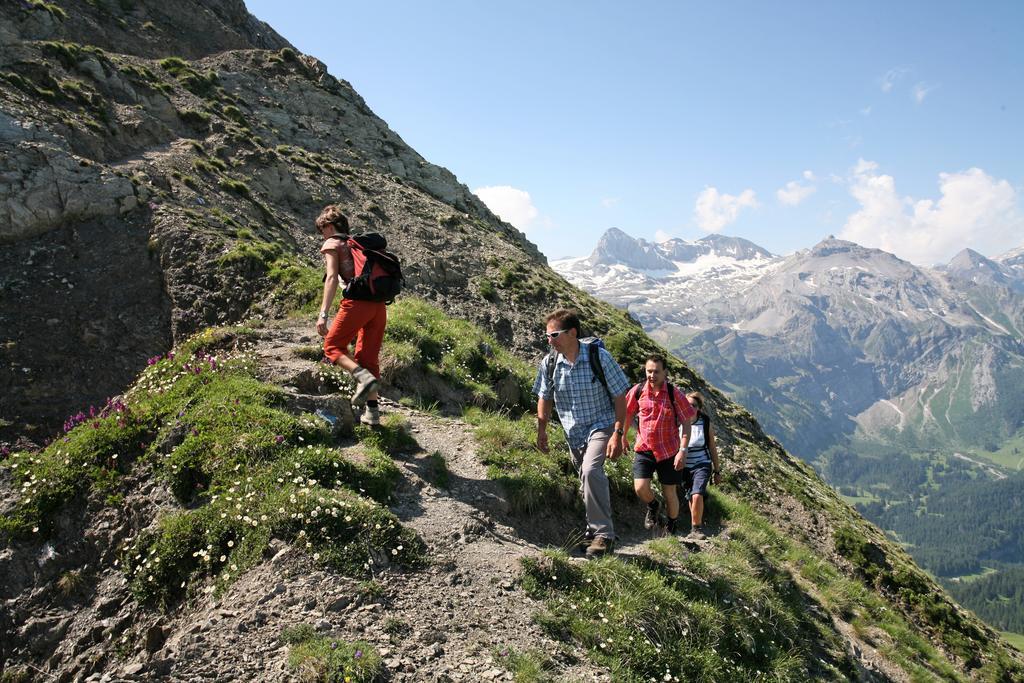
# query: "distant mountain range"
{"type": "Point", "coordinates": [834, 340]}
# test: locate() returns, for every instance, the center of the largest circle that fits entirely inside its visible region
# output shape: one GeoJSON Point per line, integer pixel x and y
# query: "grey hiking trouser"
{"type": "Point", "coordinates": [589, 462]}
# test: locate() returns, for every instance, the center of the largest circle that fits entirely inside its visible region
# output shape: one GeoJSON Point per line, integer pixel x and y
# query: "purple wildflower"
{"type": "Point", "coordinates": [279, 439]}
{"type": "Point", "coordinates": [358, 654]}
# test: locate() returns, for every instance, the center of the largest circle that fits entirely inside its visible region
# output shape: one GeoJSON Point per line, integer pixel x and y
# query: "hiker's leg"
{"type": "Point", "coordinates": [369, 341]}
{"type": "Point", "coordinates": [347, 323]}
{"type": "Point", "coordinates": [596, 497]}
{"type": "Point", "coordinates": [671, 500]}
{"type": "Point", "coordinates": [371, 336]}
{"type": "Point", "coordinates": [696, 509]}
{"type": "Point", "coordinates": [669, 478]}
{"type": "Point", "coordinates": [643, 472]}
{"type": "Point", "coordinates": [643, 490]}
{"type": "Point", "coordinates": [699, 489]}
{"type": "Point", "coordinates": [576, 456]}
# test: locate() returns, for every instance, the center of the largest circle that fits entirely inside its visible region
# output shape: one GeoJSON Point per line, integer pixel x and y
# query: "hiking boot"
{"type": "Point", "coordinates": [366, 383]}
{"type": "Point", "coordinates": [651, 518]}
{"type": "Point", "coordinates": [371, 416]}
{"type": "Point", "coordinates": [670, 525]}
{"type": "Point", "coordinates": [600, 546]}
{"type": "Point", "coordinates": [697, 533]}
{"type": "Point", "coordinates": [583, 541]}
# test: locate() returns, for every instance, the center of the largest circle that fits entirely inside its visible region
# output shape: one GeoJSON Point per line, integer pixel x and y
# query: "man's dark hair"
{"type": "Point", "coordinates": [657, 358]}
{"type": "Point", "coordinates": [567, 318]}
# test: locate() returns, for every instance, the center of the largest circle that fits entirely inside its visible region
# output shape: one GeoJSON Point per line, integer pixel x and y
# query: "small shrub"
{"type": "Point", "coordinates": [53, 10]}
{"type": "Point", "coordinates": [196, 119]}
{"type": "Point", "coordinates": [70, 582]}
{"type": "Point", "coordinates": [174, 65]}
{"type": "Point", "coordinates": [324, 658]}
{"type": "Point", "coordinates": [488, 291]}
{"type": "Point", "coordinates": [236, 186]}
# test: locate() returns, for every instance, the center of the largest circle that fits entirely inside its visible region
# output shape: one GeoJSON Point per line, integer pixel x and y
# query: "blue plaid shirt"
{"type": "Point", "coordinates": [582, 403]}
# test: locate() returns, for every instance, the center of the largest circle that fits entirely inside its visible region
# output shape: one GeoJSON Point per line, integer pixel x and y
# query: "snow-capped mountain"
{"type": "Point", "coordinates": [648, 278]}
{"type": "Point", "coordinates": [835, 339]}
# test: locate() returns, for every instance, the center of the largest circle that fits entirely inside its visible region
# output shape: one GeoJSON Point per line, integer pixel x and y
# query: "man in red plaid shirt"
{"type": "Point", "coordinates": [662, 439]}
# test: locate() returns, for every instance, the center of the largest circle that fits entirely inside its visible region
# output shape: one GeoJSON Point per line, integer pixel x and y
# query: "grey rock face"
{"type": "Point", "coordinates": [616, 246]}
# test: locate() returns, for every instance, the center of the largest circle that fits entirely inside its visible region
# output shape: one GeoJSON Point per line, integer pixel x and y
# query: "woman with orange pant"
{"type": "Point", "coordinates": [362, 321]}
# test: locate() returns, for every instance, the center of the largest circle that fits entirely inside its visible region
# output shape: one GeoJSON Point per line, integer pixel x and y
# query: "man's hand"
{"type": "Point", "coordinates": [717, 479]}
{"type": "Point", "coordinates": [321, 327]}
{"type": "Point", "coordinates": [625, 444]}
{"type": "Point", "coordinates": [614, 448]}
{"type": "Point", "coordinates": [680, 461]}
{"type": "Point", "coordinates": [542, 440]}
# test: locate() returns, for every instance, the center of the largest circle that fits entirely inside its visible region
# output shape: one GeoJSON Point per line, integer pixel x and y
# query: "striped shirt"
{"type": "Point", "coordinates": [698, 453]}
{"type": "Point", "coordinates": [582, 404]}
{"type": "Point", "coordinates": [659, 428]}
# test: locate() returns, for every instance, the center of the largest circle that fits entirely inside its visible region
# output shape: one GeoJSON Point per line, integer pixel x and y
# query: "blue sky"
{"type": "Point", "coordinates": [897, 125]}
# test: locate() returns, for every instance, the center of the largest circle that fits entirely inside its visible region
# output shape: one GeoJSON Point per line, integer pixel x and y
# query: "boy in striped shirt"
{"type": "Point", "coordinates": [663, 437]}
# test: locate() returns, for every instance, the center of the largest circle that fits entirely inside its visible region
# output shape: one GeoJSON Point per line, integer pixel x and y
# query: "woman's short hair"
{"type": "Point", "coordinates": [332, 215]}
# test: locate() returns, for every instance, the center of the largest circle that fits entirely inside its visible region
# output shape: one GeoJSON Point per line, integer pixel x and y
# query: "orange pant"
{"type": "Point", "coordinates": [367, 319]}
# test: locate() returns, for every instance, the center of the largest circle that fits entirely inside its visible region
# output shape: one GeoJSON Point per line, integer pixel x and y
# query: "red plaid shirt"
{"type": "Point", "coordinates": [659, 431]}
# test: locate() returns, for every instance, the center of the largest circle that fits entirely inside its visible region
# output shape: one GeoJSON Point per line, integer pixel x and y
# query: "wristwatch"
{"type": "Point", "coordinates": [323, 315]}
{"type": "Point", "coordinates": [619, 431]}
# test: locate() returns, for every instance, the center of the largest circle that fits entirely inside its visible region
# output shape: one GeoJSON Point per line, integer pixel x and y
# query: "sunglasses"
{"type": "Point", "coordinates": [553, 335]}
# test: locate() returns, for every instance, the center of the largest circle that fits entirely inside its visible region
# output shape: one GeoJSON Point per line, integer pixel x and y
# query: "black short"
{"type": "Point", "coordinates": [644, 467]}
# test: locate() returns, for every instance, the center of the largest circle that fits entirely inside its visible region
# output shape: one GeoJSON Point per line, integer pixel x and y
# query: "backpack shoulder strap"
{"type": "Point", "coordinates": [549, 366]}
{"type": "Point", "coordinates": [672, 401]}
{"type": "Point", "coordinates": [594, 356]}
{"type": "Point", "coordinates": [637, 390]}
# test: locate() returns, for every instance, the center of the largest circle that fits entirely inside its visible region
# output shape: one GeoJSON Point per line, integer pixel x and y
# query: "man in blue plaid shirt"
{"type": "Point", "coordinates": [590, 415]}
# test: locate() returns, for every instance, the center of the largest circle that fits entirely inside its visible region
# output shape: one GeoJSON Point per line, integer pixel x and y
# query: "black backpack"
{"type": "Point", "coordinates": [638, 389]}
{"type": "Point", "coordinates": [591, 344]}
{"type": "Point", "coordinates": [378, 271]}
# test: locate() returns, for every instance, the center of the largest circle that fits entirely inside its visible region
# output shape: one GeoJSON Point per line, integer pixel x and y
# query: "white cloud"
{"type": "Point", "coordinates": [888, 80]}
{"type": "Point", "coordinates": [921, 90]}
{"type": "Point", "coordinates": [714, 210]}
{"type": "Point", "coordinates": [609, 202]}
{"type": "Point", "coordinates": [809, 175]}
{"type": "Point", "coordinates": [662, 236]}
{"type": "Point", "coordinates": [794, 192]}
{"type": "Point", "coordinates": [974, 210]}
{"type": "Point", "coordinates": [510, 204]}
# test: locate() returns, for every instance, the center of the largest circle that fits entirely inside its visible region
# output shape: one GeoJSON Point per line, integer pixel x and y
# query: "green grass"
{"type": "Point", "coordinates": [1010, 454]}
{"type": "Point", "coordinates": [316, 657]}
{"type": "Point", "coordinates": [1015, 639]}
{"type": "Point", "coordinates": [747, 608]}
{"type": "Point", "coordinates": [530, 666]}
{"type": "Point", "coordinates": [245, 471]}
{"type": "Point", "coordinates": [532, 480]}
{"type": "Point", "coordinates": [430, 355]}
